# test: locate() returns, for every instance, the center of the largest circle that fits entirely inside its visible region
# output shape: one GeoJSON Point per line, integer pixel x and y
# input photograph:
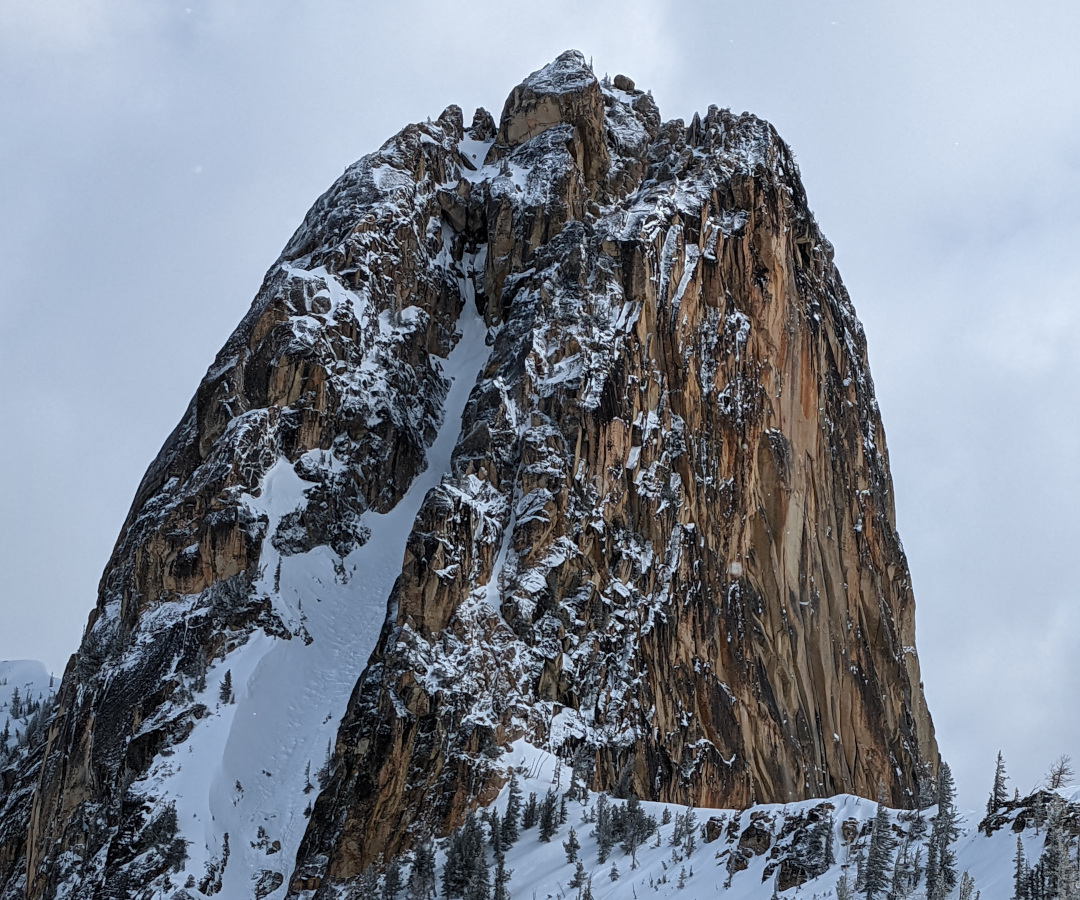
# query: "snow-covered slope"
{"type": "Point", "coordinates": [769, 842]}
{"type": "Point", "coordinates": [27, 700]}
{"type": "Point", "coordinates": [25, 688]}
{"type": "Point", "coordinates": [249, 766]}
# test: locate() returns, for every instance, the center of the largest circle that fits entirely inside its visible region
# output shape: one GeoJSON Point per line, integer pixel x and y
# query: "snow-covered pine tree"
{"type": "Point", "coordinates": [860, 869]}
{"type": "Point", "coordinates": [464, 856]}
{"type": "Point", "coordinates": [529, 816]}
{"type": "Point", "coordinates": [225, 692]}
{"type": "Point", "coordinates": [604, 832]}
{"type": "Point", "coordinates": [689, 831]}
{"type": "Point", "coordinates": [941, 861]}
{"type": "Point", "coordinates": [898, 888]}
{"type": "Point", "coordinates": [368, 883]}
{"type": "Point", "coordinates": [1021, 874]}
{"type": "Point", "coordinates": [549, 816]}
{"type": "Point", "coordinates": [1057, 862]}
{"type": "Point", "coordinates": [422, 872]}
{"type": "Point", "coordinates": [581, 767]}
{"type": "Point", "coordinates": [577, 880]}
{"type": "Point", "coordinates": [392, 881]}
{"type": "Point", "coordinates": [571, 845]}
{"type": "Point", "coordinates": [879, 856]}
{"type": "Point", "coordinates": [500, 889]}
{"type": "Point", "coordinates": [512, 816]}
{"type": "Point", "coordinates": [843, 887]}
{"type": "Point", "coordinates": [998, 795]}
{"type": "Point", "coordinates": [479, 887]}
{"type": "Point", "coordinates": [637, 826]}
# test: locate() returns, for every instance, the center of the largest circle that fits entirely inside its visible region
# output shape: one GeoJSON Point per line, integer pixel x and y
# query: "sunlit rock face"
{"type": "Point", "coordinates": [558, 428]}
{"type": "Point", "coordinates": [668, 538]}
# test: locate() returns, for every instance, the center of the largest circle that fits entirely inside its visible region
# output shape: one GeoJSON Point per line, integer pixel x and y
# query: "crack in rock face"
{"type": "Point", "coordinates": [558, 429]}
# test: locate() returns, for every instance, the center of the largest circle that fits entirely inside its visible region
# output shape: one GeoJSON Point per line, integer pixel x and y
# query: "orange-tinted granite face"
{"type": "Point", "coordinates": [665, 547]}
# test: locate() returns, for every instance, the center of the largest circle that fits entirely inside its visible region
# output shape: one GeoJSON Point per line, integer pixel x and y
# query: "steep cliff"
{"type": "Point", "coordinates": [557, 428]}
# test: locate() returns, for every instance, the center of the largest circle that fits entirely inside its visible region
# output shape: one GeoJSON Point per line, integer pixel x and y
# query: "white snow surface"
{"type": "Point", "coordinates": [540, 871]}
{"type": "Point", "coordinates": [243, 767]}
{"type": "Point", "coordinates": [33, 682]}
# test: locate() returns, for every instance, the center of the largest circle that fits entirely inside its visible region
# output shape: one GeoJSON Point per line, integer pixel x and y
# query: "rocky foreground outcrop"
{"type": "Point", "coordinates": [663, 548]}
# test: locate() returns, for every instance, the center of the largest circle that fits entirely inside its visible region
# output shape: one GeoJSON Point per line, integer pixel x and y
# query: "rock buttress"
{"type": "Point", "coordinates": [668, 543]}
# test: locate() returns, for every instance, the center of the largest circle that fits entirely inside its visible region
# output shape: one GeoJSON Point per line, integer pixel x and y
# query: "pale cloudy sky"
{"type": "Point", "coordinates": [155, 157]}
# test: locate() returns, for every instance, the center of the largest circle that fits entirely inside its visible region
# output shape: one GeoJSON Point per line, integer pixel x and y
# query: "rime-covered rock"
{"type": "Point", "coordinates": [558, 429]}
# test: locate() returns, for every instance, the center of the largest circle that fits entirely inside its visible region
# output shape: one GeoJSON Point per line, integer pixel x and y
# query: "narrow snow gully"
{"type": "Point", "coordinates": [243, 782]}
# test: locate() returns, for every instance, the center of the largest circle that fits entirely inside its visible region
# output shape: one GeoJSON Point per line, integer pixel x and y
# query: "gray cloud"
{"type": "Point", "coordinates": [154, 158]}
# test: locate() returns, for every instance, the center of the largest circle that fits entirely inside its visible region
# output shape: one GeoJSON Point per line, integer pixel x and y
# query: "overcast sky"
{"type": "Point", "coordinates": [155, 157]}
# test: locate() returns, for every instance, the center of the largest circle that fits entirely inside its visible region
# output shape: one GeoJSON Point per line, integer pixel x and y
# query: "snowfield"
{"type": "Point", "coordinates": [699, 870]}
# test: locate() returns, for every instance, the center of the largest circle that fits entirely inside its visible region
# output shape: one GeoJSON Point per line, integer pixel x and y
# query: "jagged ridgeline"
{"type": "Point", "coordinates": [557, 430]}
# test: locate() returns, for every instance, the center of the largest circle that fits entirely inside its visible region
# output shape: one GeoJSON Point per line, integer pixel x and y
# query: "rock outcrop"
{"type": "Point", "coordinates": [663, 547]}
{"type": "Point", "coordinates": [668, 539]}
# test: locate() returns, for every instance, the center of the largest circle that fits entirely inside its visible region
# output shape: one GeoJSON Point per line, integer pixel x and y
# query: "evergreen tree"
{"type": "Point", "coordinates": [967, 888]}
{"type": "Point", "coordinates": [860, 869]}
{"type": "Point", "coordinates": [16, 704]}
{"type": "Point", "coordinates": [932, 869]}
{"type": "Point", "coordinates": [581, 769]}
{"type": "Point", "coordinates": [1061, 773]}
{"type": "Point", "coordinates": [879, 857]}
{"type": "Point", "coordinates": [500, 889]}
{"type": "Point", "coordinates": [198, 684]}
{"type": "Point", "coordinates": [549, 816]}
{"type": "Point", "coordinates": [528, 818]}
{"type": "Point", "coordinates": [843, 887]}
{"type": "Point", "coordinates": [512, 816]}
{"type": "Point", "coordinates": [1020, 872]}
{"type": "Point", "coordinates": [422, 872]}
{"type": "Point", "coordinates": [998, 795]}
{"type": "Point", "coordinates": [614, 873]}
{"type": "Point", "coordinates": [323, 775]}
{"type": "Point", "coordinates": [225, 692]}
{"type": "Point", "coordinates": [941, 863]}
{"type": "Point", "coordinates": [578, 878]}
{"type": "Point", "coordinates": [368, 884]}
{"type": "Point", "coordinates": [1057, 865]}
{"type": "Point", "coordinates": [665, 819]}
{"type": "Point", "coordinates": [571, 846]}
{"type": "Point", "coordinates": [604, 831]}
{"type": "Point", "coordinates": [562, 810]}
{"type": "Point", "coordinates": [826, 836]}
{"type": "Point", "coordinates": [898, 888]}
{"type": "Point", "coordinates": [637, 826]}
{"type": "Point", "coordinates": [479, 887]}
{"type": "Point", "coordinates": [464, 857]}
{"type": "Point", "coordinates": [391, 881]}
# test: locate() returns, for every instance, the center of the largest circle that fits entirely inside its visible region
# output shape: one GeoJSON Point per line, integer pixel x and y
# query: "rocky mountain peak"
{"type": "Point", "coordinates": [559, 432]}
{"type": "Point", "coordinates": [563, 92]}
